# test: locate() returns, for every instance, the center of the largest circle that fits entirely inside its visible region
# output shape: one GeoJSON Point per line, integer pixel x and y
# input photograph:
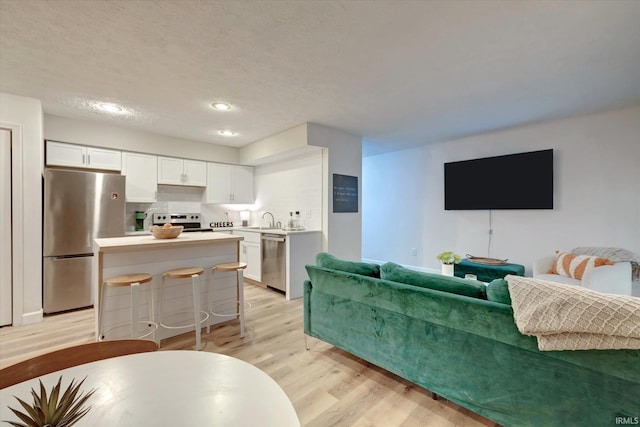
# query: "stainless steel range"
{"type": "Point", "coordinates": [190, 221]}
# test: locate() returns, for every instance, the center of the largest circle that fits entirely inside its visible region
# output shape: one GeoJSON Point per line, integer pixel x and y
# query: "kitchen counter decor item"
{"type": "Point", "coordinates": [165, 232]}
{"type": "Point", "coordinates": [139, 217]}
{"type": "Point", "coordinates": [486, 261]}
{"type": "Point", "coordinates": [448, 259]}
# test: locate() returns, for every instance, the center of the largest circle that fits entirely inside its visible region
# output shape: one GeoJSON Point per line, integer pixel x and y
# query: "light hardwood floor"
{"type": "Point", "coordinates": [327, 386]}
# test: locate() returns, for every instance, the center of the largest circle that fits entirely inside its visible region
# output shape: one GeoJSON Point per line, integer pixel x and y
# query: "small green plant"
{"type": "Point", "coordinates": [50, 411]}
{"type": "Point", "coordinates": [448, 257]}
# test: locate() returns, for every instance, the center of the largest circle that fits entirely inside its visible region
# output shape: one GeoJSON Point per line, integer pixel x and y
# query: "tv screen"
{"type": "Point", "coordinates": [514, 181]}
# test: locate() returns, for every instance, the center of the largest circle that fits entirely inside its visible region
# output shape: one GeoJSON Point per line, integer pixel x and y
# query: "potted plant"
{"type": "Point", "coordinates": [59, 408]}
{"type": "Point", "coordinates": [448, 259]}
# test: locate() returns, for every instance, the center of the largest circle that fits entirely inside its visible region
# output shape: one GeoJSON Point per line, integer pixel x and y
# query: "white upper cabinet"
{"type": "Point", "coordinates": [141, 171]}
{"type": "Point", "coordinates": [218, 183]}
{"type": "Point", "coordinates": [195, 173]}
{"type": "Point", "coordinates": [170, 171]}
{"type": "Point", "coordinates": [242, 184]}
{"type": "Point", "coordinates": [100, 158]}
{"type": "Point", "coordinates": [79, 156]}
{"type": "Point", "coordinates": [229, 183]}
{"type": "Point", "coordinates": [174, 171]}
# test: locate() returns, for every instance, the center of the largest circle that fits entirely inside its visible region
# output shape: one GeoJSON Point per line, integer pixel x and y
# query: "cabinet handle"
{"type": "Point", "coordinates": [88, 159]}
{"type": "Point", "coordinates": [84, 158]}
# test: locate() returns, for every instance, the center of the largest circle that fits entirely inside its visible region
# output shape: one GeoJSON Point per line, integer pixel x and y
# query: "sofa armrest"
{"type": "Point", "coordinates": [610, 279]}
{"type": "Point", "coordinates": [543, 265]}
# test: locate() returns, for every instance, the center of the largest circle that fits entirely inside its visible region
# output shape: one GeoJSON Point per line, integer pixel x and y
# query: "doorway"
{"type": "Point", "coordinates": [6, 242]}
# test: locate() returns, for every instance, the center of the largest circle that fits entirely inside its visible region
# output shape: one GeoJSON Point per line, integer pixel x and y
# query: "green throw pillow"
{"type": "Point", "coordinates": [455, 285]}
{"type": "Point", "coordinates": [498, 291]}
{"type": "Point", "coordinates": [326, 260]}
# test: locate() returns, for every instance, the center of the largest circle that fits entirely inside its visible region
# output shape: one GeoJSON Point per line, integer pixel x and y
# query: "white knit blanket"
{"type": "Point", "coordinates": [565, 317]}
{"type": "Point", "coordinates": [612, 254]}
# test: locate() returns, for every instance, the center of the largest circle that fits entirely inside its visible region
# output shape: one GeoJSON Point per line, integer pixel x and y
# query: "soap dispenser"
{"type": "Point", "coordinates": [290, 224]}
{"type": "Point", "coordinates": [296, 220]}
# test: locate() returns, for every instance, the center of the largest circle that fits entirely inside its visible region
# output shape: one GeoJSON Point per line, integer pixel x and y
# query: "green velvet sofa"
{"type": "Point", "coordinates": [457, 338]}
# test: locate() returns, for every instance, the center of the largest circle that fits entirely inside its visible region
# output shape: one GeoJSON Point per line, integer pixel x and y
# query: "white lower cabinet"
{"type": "Point", "coordinates": [251, 253]}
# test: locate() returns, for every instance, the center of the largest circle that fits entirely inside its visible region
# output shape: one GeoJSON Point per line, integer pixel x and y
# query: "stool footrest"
{"type": "Point", "coordinates": [216, 311]}
{"type": "Point", "coordinates": [152, 325]}
{"type": "Point", "coordinates": [204, 316]}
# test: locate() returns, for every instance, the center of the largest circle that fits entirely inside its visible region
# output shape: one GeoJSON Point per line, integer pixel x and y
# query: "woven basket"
{"type": "Point", "coordinates": [166, 233]}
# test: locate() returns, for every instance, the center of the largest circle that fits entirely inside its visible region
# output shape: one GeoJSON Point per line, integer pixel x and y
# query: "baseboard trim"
{"type": "Point", "coordinates": [33, 317]}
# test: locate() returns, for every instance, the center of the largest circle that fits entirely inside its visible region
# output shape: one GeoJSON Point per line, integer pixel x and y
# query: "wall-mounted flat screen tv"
{"type": "Point", "coordinates": [514, 181]}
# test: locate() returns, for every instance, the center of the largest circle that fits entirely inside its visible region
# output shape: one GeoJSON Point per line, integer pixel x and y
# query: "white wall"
{"type": "Point", "coordinates": [342, 154]}
{"type": "Point", "coordinates": [275, 147]}
{"type": "Point", "coordinates": [597, 195]}
{"type": "Point", "coordinates": [100, 135]}
{"type": "Point", "coordinates": [342, 232]}
{"type": "Point", "coordinates": [24, 116]}
{"type": "Point", "coordinates": [290, 185]}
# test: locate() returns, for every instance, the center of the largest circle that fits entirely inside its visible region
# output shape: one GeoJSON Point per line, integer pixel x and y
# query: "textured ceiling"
{"type": "Point", "coordinates": [398, 73]}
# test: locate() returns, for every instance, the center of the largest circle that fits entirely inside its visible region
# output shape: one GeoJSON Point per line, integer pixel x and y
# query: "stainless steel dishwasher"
{"type": "Point", "coordinates": [274, 261]}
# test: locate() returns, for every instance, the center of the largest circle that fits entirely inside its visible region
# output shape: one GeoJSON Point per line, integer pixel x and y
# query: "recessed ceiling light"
{"type": "Point", "coordinates": [221, 106]}
{"type": "Point", "coordinates": [227, 132]}
{"type": "Point", "coordinates": [110, 108]}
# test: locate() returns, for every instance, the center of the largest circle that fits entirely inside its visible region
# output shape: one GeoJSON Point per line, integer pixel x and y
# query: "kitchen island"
{"type": "Point", "coordinates": [145, 254]}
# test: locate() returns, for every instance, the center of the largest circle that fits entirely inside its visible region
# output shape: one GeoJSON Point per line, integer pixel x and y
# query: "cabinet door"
{"type": "Point", "coordinates": [100, 158]}
{"type": "Point", "coordinates": [250, 253]}
{"type": "Point", "coordinates": [218, 183]}
{"type": "Point", "coordinates": [170, 171]}
{"type": "Point", "coordinates": [195, 173]}
{"type": "Point", "coordinates": [60, 154]}
{"type": "Point", "coordinates": [242, 184]}
{"type": "Point", "coordinates": [141, 171]}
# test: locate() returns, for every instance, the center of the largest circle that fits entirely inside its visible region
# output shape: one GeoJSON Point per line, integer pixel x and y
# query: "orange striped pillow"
{"type": "Point", "coordinates": [574, 266]}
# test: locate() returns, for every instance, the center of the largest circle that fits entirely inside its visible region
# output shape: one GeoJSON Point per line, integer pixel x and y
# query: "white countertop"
{"type": "Point", "coordinates": [147, 241]}
{"type": "Point", "coordinates": [228, 229]}
{"type": "Point", "coordinates": [280, 231]}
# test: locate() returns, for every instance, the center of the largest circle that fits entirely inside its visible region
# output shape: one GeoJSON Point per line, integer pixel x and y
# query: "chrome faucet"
{"type": "Point", "coordinates": [273, 221]}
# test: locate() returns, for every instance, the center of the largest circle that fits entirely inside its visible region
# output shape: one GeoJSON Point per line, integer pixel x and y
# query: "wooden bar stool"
{"type": "Point", "coordinates": [133, 281]}
{"type": "Point", "coordinates": [238, 302]}
{"type": "Point", "coordinates": [199, 316]}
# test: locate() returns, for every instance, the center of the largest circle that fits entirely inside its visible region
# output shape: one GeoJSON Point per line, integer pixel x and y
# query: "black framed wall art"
{"type": "Point", "coordinates": [345, 193]}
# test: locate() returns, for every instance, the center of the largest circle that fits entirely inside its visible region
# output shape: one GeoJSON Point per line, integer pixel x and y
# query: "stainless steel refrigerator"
{"type": "Point", "coordinates": [78, 207]}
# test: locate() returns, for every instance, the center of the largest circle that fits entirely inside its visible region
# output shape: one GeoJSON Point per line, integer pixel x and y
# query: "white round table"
{"type": "Point", "coordinates": [169, 388]}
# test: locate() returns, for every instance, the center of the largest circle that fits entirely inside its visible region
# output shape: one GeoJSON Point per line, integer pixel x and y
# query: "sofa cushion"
{"type": "Point", "coordinates": [397, 273]}
{"type": "Point", "coordinates": [574, 266]}
{"type": "Point", "coordinates": [327, 260]}
{"type": "Point", "coordinates": [559, 279]}
{"type": "Point", "coordinates": [498, 291]}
